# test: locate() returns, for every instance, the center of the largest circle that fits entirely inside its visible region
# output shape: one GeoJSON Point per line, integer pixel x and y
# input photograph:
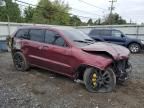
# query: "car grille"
{"type": "Point", "coordinates": [121, 65]}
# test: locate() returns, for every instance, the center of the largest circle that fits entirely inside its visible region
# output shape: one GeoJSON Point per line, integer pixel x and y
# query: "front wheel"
{"type": "Point", "coordinates": [99, 81]}
{"type": "Point", "coordinates": [134, 48]}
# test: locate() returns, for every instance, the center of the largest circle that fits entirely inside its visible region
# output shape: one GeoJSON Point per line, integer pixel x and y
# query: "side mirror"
{"type": "Point", "coordinates": [57, 36]}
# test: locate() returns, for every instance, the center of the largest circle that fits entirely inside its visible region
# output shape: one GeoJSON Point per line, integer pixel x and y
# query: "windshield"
{"type": "Point", "coordinates": [78, 37]}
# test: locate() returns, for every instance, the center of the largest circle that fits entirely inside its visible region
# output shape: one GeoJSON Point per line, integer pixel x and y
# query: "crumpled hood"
{"type": "Point", "coordinates": [116, 51]}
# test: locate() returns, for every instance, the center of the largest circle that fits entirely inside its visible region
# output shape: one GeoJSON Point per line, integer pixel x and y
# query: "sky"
{"type": "Point", "coordinates": [128, 9]}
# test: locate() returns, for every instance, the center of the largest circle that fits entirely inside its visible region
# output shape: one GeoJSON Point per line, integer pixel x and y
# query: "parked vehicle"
{"type": "Point", "coordinates": [70, 52]}
{"type": "Point", "coordinates": [117, 37]}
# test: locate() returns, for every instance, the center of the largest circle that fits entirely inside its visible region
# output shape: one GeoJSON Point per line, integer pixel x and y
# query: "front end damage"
{"type": "Point", "coordinates": [120, 56]}
{"type": "Point", "coordinates": [121, 66]}
{"type": "Point", "coordinates": [122, 69]}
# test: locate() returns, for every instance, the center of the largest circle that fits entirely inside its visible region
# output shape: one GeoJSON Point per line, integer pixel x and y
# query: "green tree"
{"type": "Point", "coordinates": [97, 22]}
{"type": "Point", "coordinates": [114, 19]}
{"type": "Point", "coordinates": [52, 12]}
{"type": "Point", "coordinates": [28, 14]}
{"type": "Point", "coordinates": [90, 22]}
{"type": "Point", "coordinates": [75, 21]}
{"type": "Point", "coordinates": [12, 10]}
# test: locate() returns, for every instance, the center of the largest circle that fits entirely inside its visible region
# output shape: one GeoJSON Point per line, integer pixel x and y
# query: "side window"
{"type": "Point", "coordinates": [50, 36]}
{"type": "Point", "coordinates": [37, 35]}
{"type": "Point", "coordinates": [23, 33]}
{"type": "Point", "coordinates": [94, 32]}
{"type": "Point", "coordinates": [105, 33]}
{"type": "Point", "coordinates": [60, 42]}
{"type": "Point", "coordinates": [116, 33]}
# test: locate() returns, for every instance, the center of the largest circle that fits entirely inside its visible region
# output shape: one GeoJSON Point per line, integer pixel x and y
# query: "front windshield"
{"type": "Point", "coordinates": [78, 37]}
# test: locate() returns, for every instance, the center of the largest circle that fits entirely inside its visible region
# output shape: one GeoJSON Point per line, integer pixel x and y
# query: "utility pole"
{"type": "Point", "coordinates": [111, 10]}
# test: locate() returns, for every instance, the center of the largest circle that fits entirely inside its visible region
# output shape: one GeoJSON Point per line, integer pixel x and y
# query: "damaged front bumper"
{"type": "Point", "coordinates": [123, 69]}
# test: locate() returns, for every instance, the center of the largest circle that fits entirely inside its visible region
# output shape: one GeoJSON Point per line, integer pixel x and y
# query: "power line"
{"type": "Point", "coordinates": [92, 5]}
{"type": "Point", "coordinates": [52, 11]}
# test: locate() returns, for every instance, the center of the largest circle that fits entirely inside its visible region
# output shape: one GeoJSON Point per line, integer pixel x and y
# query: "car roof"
{"type": "Point", "coordinates": [110, 29]}
{"type": "Point", "coordinates": [48, 27]}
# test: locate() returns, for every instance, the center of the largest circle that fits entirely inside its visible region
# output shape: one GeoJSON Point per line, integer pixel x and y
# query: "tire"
{"type": "Point", "coordinates": [134, 48]}
{"type": "Point", "coordinates": [20, 62]}
{"type": "Point", "coordinates": [99, 81]}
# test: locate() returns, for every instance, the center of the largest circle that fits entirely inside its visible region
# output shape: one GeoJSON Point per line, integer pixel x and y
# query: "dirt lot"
{"type": "Point", "coordinates": [38, 88]}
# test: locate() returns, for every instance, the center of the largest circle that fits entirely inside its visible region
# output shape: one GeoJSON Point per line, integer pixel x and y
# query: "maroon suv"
{"type": "Point", "coordinates": [67, 51]}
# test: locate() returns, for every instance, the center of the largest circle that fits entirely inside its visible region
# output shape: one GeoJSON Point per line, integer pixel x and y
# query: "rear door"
{"type": "Point", "coordinates": [95, 34]}
{"type": "Point", "coordinates": [33, 46]}
{"type": "Point", "coordinates": [20, 40]}
{"type": "Point", "coordinates": [106, 35]}
{"type": "Point", "coordinates": [57, 53]}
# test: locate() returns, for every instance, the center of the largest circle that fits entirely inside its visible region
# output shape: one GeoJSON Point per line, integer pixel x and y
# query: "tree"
{"type": "Point", "coordinates": [11, 10]}
{"type": "Point", "coordinates": [90, 22]}
{"type": "Point", "coordinates": [97, 22]}
{"type": "Point", "coordinates": [51, 13]}
{"type": "Point", "coordinates": [114, 19]}
{"type": "Point", "coordinates": [28, 14]}
{"type": "Point", "coordinates": [75, 21]}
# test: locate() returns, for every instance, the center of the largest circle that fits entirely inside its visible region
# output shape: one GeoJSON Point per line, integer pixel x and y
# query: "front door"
{"type": "Point", "coordinates": [118, 38]}
{"type": "Point", "coordinates": [57, 53]}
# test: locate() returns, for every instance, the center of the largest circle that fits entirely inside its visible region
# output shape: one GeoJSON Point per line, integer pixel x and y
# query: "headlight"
{"type": "Point", "coordinates": [142, 41]}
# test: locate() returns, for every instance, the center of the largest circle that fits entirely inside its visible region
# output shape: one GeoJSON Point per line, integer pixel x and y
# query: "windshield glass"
{"type": "Point", "coordinates": [78, 37]}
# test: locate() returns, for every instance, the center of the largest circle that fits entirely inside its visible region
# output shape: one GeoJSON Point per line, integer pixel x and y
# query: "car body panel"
{"type": "Point", "coordinates": [117, 51]}
{"type": "Point", "coordinates": [122, 40]}
{"type": "Point", "coordinates": [66, 60]}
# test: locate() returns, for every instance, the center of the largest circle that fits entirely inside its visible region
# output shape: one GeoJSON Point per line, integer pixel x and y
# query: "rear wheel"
{"type": "Point", "coordinates": [99, 81]}
{"type": "Point", "coordinates": [134, 47]}
{"type": "Point", "coordinates": [20, 62]}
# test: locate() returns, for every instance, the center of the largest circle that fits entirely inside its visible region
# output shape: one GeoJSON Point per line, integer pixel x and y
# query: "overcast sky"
{"type": "Point", "coordinates": [128, 9]}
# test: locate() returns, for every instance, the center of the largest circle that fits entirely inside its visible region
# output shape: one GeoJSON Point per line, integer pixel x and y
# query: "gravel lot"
{"type": "Point", "coordinates": [39, 88]}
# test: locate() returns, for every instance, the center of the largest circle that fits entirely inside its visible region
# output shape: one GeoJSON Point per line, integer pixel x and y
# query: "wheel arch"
{"type": "Point", "coordinates": [133, 43]}
{"type": "Point", "coordinates": [81, 69]}
{"type": "Point", "coordinates": [16, 50]}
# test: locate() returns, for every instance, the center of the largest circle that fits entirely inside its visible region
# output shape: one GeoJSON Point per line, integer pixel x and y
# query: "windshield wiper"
{"type": "Point", "coordinates": [81, 41]}
{"type": "Point", "coordinates": [89, 40]}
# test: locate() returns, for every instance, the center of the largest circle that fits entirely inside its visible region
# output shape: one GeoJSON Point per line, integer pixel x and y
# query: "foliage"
{"type": "Point", "coordinates": [114, 19]}
{"type": "Point", "coordinates": [11, 10]}
{"type": "Point", "coordinates": [28, 14]}
{"type": "Point", "coordinates": [51, 13]}
{"type": "Point", "coordinates": [97, 22]}
{"type": "Point", "coordinates": [90, 22]}
{"type": "Point", "coordinates": [75, 21]}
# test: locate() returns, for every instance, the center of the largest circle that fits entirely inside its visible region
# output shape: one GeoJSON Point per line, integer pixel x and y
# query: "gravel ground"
{"type": "Point", "coordinates": [39, 88]}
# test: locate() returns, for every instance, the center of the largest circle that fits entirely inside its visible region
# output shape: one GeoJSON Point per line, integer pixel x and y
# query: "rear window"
{"type": "Point", "coordinates": [37, 35]}
{"type": "Point", "coordinates": [105, 33]}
